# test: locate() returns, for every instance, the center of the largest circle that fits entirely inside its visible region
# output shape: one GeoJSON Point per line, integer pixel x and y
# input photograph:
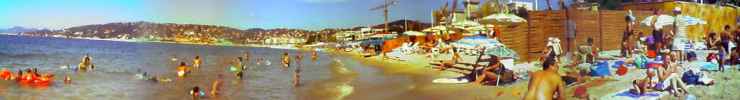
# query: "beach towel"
{"type": "Point", "coordinates": [617, 64]}
{"type": "Point", "coordinates": [707, 66]}
{"type": "Point", "coordinates": [636, 96]}
{"type": "Point", "coordinates": [602, 69]}
{"type": "Point", "coordinates": [627, 94]}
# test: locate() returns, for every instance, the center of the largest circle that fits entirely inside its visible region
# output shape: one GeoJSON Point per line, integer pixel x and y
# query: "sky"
{"type": "Point", "coordinates": [242, 14]}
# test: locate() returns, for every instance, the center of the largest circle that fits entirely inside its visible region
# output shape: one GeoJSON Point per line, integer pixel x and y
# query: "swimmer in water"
{"type": "Point", "coordinates": [182, 69]}
{"type": "Point", "coordinates": [86, 63]}
{"type": "Point", "coordinates": [314, 56]}
{"type": "Point", "coordinates": [545, 84]}
{"type": "Point", "coordinates": [286, 60]}
{"type": "Point", "coordinates": [196, 62]}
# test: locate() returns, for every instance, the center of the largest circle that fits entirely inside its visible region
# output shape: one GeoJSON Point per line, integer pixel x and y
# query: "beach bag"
{"type": "Point", "coordinates": [602, 69]}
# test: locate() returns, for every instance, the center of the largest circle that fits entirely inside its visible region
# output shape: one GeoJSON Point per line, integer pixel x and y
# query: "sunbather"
{"type": "Point", "coordinates": [545, 84]}
{"type": "Point", "coordinates": [669, 77]}
{"type": "Point", "coordinates": [495, 74]}
{"type": "Point", "coordinates": [642, 86]}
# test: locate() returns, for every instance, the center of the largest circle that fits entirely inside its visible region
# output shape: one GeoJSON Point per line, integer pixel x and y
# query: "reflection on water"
{"type": "Point", "coordinates": [335, 88]}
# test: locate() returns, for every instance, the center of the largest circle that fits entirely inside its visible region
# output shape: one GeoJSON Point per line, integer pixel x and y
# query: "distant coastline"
{"type": "Point", "coordinates": [273, 46]}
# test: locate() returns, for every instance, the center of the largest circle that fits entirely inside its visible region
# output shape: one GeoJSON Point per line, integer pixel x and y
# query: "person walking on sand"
{"type": "Point", "coordinates": [545, 84]}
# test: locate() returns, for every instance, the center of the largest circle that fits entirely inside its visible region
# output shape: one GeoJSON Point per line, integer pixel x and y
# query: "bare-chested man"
{"type": "Point", "coordinates": [546, 84]}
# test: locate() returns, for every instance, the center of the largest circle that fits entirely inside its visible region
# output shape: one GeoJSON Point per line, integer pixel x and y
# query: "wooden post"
{"type": "Point", "coordinates": [601, 33]}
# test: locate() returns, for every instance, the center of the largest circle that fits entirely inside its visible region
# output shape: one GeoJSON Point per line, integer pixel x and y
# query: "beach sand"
{"type": "Point", "coordinates": [419, 70]}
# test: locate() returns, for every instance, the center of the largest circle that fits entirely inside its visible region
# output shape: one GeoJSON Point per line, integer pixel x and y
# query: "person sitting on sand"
{"type": "Point", "coordinates": [642, 86]}
{"type": "Point", "coordinates": [196, 62]}
{"type": "Point", "coordinates": [86, 63]}
{"type": "Point", "coordinates": [586, 52]}
{"type": "Point", "coordinates": [669, 77]}
{"type": "Point", "coordinates": [496, 73]}
{"type": "Point", "coordinates": [545, 84]}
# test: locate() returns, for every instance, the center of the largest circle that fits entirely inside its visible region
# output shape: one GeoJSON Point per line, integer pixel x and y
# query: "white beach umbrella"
{"type": "Point", "coordinates": [502, 18]}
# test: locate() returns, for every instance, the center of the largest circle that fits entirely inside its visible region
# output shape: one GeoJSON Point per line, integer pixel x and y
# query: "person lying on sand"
{"type": "Point", "coordinates": [546, 84]}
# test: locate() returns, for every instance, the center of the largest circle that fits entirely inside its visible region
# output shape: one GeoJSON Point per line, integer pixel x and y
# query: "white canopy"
{"type": "Point", "coordinates": [503, 18]}
{"type": "Point", "coordinates": [414, 33]}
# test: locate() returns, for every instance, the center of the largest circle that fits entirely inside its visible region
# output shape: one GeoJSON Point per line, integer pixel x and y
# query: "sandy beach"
{"type": "Point", "coordinates": [598, 88]}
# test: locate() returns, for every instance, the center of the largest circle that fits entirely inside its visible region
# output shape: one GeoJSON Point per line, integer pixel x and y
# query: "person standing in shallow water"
{"type": "Point", "coordinates": [545, 84]}
{"type": "Point", "coordinates": [286, 60]}
{"type": "Point", "coordinates": [314, 56]}
{"type": "Point", "coordinates": [196, 62]}
{"type": "Point", "coordinates": [86, 63]}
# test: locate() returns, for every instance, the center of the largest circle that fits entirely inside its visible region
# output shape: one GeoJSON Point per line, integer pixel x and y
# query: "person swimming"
{"type": "Point", "coordinates": [545, 84]}
{"type": "Point", "coordinates": [196, 62]}
{"type": "Point", "coordinates": [86, 63]}
{"type": "Point", "coordinates": [182, 69]}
